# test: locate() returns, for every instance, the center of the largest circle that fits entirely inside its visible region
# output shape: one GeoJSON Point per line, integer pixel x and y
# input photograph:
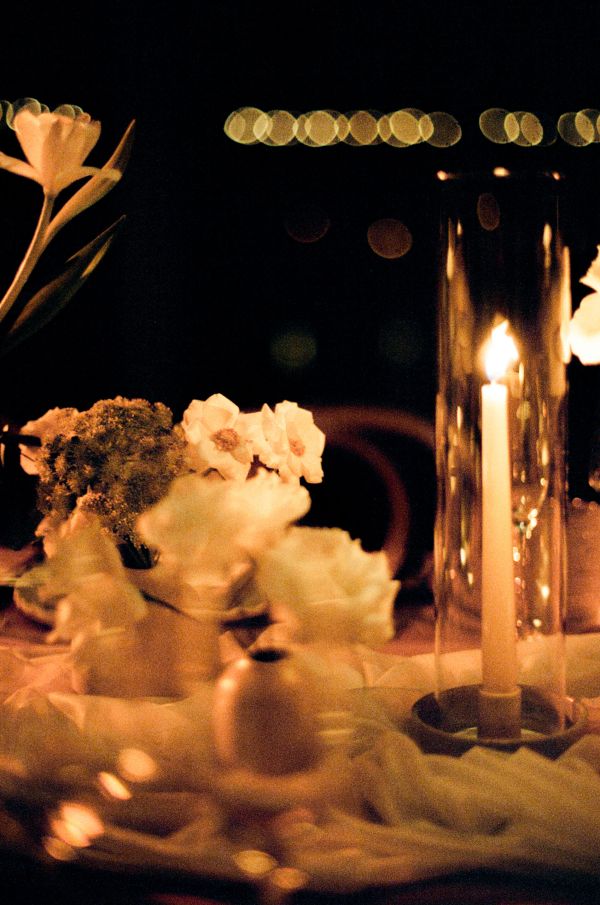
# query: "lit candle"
{"type": "Point", "coordinates": [499, 709]}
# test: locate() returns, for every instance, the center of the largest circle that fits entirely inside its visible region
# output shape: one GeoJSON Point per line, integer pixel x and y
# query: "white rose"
{"type": "Point", "coordinates": [206, 530]}
{"type": "Point", "coordinates": [328, 588]}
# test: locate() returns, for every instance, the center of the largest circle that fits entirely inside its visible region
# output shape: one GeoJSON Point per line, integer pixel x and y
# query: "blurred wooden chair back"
{"type": "Point", "coordinates": [379, 480]}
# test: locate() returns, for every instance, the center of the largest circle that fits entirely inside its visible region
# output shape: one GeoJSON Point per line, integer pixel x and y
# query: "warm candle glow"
{"type": "Point", "coordinates": [499, 695]}
{"type": "Point", "coordinates": [500, 352]}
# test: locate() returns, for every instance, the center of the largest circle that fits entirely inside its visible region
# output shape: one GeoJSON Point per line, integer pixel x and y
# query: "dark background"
{"type": "Point", "coordinates": [203, 279]}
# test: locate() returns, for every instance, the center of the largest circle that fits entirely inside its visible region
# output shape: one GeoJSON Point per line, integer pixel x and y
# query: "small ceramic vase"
{"type": "Point", "coordinates": [265, 715]}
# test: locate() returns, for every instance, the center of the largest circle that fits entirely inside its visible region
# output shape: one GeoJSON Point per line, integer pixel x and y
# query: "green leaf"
{"type": "Point", "coordinates": [96, 187]}
{"type": "Point", "coordinates": [52, 298]}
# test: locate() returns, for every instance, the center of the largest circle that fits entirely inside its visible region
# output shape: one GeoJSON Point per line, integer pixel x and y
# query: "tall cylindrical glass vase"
{"type": "Point", "coordinates": [504, 307]}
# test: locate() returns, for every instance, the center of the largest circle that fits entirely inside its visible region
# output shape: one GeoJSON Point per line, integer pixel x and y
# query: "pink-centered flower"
{"type": "Point", "coordinates": [56, 147]}
{"type": "Point", "coordinates": [218, 436]}
{"type": "Point", "coordinates": [293, 442]}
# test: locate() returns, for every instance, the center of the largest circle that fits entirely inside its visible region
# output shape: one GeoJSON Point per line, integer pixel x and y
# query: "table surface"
{"type": "Point", "coordinates": [28, 881]}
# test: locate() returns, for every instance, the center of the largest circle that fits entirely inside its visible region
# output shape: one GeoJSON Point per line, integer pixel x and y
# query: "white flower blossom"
{"type": "Point", "coordinates": [305, 443]}
{"type": "Point", "coordinates": [217, 434]}
{"type": "Point", "coordinates": [56, 147]}
{"type": "Point", "coordinates": [326, 587]}
{"type": "Point", "coordinates": [209, 531]}
{"type": "Point", "coordinates": [288, 440]}
{"type": "Point", "coordinates": [87, 576]}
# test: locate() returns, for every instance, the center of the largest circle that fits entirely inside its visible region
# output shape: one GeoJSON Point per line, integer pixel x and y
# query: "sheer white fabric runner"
{"type": "Point", "coordinates": [429, 815]}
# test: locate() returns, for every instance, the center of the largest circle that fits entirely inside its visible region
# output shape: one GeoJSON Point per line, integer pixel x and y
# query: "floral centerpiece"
{"type": "Point", "coordinates": [200, 516]}
{"type": "Point", "coordinates": [209, 506]}
{"type": "Point", "coordinates": [139, 514]}
{"type": "Point", "coordinates": [157, 535]}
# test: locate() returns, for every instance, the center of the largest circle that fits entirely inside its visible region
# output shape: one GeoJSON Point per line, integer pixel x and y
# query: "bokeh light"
{"type": "Point", "coordinates": [389, 238]}
{"type": "Point", "coordinates": [70, 110]}
{"type": "Point", "coordinates": [440, 129]}
{"type": "Point", "coordinates": [136, 765]}
{"type": "Point", "coordinates": [318, 128]}
{"type": "Point", "coordinates": [322, 128]}
{"type": "Point", "coordinates": [401, 128]}
{"type": "Point", "coordinates": [59, 850]}
{"type": "Point", "coordinates": [289, 879]}
{"type": "Point", "coordinates": [578, 132]}
{"type": "Point", "coordinates": [24, 103]}
{"type": "Point", "coordinates": [255, 863]}
{"type": "Point", "coordinates": [492, 123]}
{"type": "Point", "coordinates": [76, 825]}
{"type": "Point", "coordinates": [586, 123]}
{"type": "Point", "coordinates": [113, 786]}
{"type": "Point", "coordinates": [29, 103]}
{"type": "Point", "coordinates": [401, 343]}
{"type": "Point", "coordinates": [306, 223]}
{"type": "Point", "coordinates": [342, 126]}
{"type": "Point", "coordinates": [280, 129]}
{"type": "Point", "coordinates": [488, 212]}
{"type": "Point", "coordinates": [524, 128]}
{"type": "Point", "coordinates": [362, 128]}
{"type": "Point", "coordinates": [293, 350]}
{"type": "Point", "coordinates": [9, 109]}
{"type": "Point", "coordinates": [240, 125]}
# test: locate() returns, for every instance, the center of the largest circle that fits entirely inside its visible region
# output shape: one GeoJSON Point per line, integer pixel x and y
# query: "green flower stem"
{"type": "Point", "coordinates": [32, 255]}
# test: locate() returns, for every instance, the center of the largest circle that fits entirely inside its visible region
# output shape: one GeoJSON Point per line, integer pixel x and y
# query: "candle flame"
{"type": "Point", "coordinates": [500, 353]}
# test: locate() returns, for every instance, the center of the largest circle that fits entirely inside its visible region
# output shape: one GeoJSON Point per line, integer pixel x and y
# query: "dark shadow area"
{"type": "Point", "coordinates": [247, 270]}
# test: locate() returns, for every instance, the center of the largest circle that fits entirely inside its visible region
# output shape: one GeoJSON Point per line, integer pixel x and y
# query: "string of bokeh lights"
{"type": "Point", "coordinates": [407, 127]}
{"type": "Point", "coordinates": [9, 109]}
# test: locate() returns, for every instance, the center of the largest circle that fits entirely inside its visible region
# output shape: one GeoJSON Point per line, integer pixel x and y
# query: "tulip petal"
{"type": "Point", "coordinates": [55, 145]}
{"type": "Point", "coordinates": [100, 184]}
{"type": "Point", "coordinates": [20, 167]}
{"type": "Point", "coordinates": [31, 131]}
{"type": "Point", "coordinates": [52, 298]}
{"type": "Point", "coordinates": [67, 177]}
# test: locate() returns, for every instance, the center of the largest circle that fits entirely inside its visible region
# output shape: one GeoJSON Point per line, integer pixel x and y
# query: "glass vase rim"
{"type": "Point", "coordinates": [499, 175]}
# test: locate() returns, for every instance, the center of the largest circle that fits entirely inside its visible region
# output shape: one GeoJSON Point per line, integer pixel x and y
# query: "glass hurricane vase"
{"type": "Point", "coordinates": [504, 307]}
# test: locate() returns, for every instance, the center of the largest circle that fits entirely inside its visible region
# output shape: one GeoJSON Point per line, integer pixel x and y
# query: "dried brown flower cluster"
{"type": "Point", "coordinates": [113, 461]}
